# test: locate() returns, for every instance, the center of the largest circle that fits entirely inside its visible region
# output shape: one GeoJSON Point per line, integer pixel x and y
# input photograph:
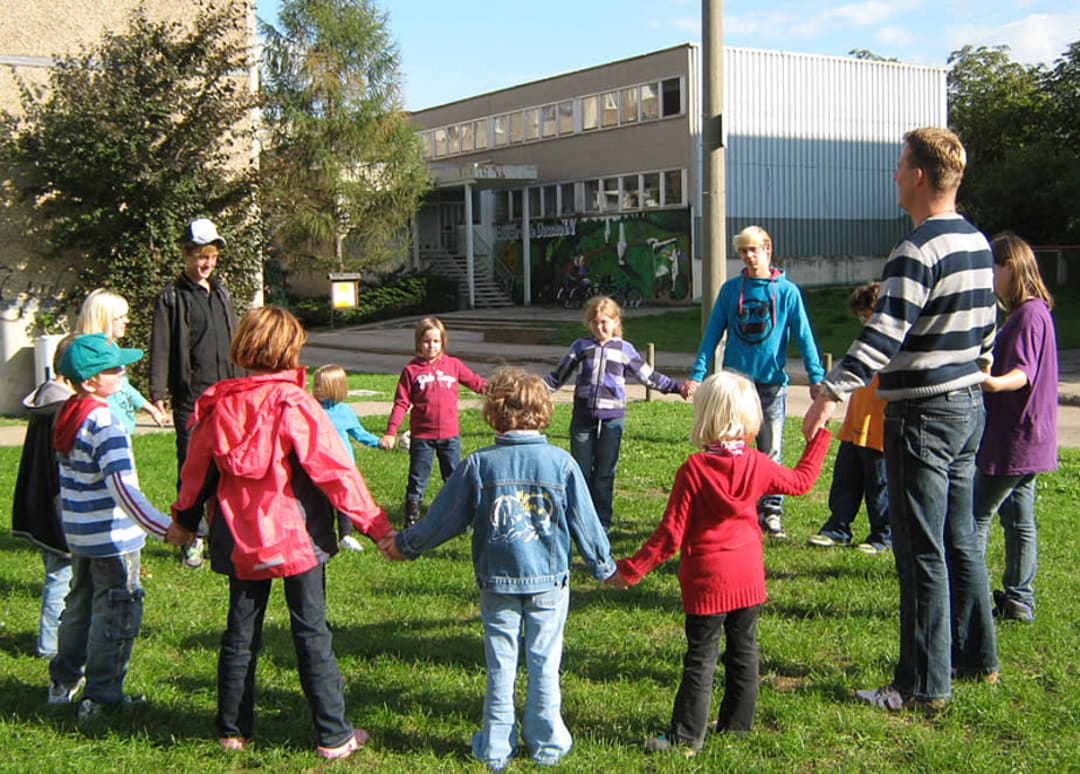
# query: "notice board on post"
{"type": "Point", "coordinates": [344, 292]}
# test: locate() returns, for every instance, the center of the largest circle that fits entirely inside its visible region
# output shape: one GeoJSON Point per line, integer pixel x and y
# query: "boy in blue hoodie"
{"type": "Point", "coordinates": [761, 309]}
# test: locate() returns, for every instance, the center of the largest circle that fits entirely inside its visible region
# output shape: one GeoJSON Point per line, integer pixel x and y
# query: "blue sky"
{"type": "Point", "coordinates": [452, 49]}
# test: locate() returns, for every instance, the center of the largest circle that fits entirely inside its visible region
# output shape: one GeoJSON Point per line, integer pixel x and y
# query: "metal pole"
{"type": "Point", "coordinates": [713, 225]}
{"type": "Point", "coordinates": [470, 257]}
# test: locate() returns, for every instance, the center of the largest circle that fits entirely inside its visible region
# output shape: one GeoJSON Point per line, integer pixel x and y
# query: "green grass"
{"type": "Point", "coordinates": [679, 330]}
{"type": "Point", "coordinates": [408, 640]}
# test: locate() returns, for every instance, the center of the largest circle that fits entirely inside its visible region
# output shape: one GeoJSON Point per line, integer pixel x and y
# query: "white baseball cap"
{"type": "Point", "coordinates": [203, 232]}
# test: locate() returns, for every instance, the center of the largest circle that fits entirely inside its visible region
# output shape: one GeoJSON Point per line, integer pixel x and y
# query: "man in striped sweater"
{"type": "Point", "coordinates": [930, 338]}
{"type": "Point", "coordinates": [105, 518]}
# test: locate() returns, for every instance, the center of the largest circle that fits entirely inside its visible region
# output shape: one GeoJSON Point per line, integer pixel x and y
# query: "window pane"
{"type": "Point", "coordinates": [440, 142]}
{"type": "Point", "coordinates": [532, 124]}
{"type": "Point", "coordinates": [466, 137]}
{"type": "Point", "coordinates": [611, 194]}
{"type": "Point", "coordinates": [551, 200]}
{"type": "Point", "coordinates": [650, 189]}
{"type": "Point", "coordinates": [502, 206]}
{"type": "Point", "coordinates": [672, 101]}
{"type": "Point", "coordinates": [515, 127]}
{"type": "Point", "coordinates": [480, 132]}
{"type": "Point", "coordinates": [566, 194]}
{"type": "Point", "coordinates": [673, 193]}
{"type": "Point", "coordinates": [589, 116]}
{"type": "Point", "coordinates": [592, 195]}
{"type": "Point", "coordinates": [515, 204]}
{"type": "Point", "coordinates": [650, 102]}
{"type": "Point", "coordinates": [609, 115]}
{"type": "Point", "coordinates": [534, 203]}
{"type": "Point", "coordinates": [629, 105]}
{"type": "Point", "coordinates": [426, 143]}
{"type": "Point", "coordinates": [454, 140]}
{"type": "Point", "coordinates": [566, 117]}
{"type": "Point", "coordinates": [500, 126]}
{"type": "Point", "coordinates": [547, 121]}
{"type": "Point", "coordinates": [631, 199]}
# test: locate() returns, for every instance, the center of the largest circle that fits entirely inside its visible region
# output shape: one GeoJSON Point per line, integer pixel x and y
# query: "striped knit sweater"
{"type": "Point", "coordinates": [104, 512]}
{"type": "Point", "coordinates": [600, 390]}
{"type": "Point", "coordinates": [932, 330]}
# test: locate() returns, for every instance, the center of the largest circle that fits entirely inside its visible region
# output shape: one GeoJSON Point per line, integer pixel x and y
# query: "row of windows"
{"type": "Point", "coordinates": [610, 194]}
{"type": "Point", "coordinates": [619, 107]}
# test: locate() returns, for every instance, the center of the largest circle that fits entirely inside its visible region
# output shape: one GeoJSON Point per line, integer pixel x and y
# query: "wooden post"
{"type": "Point", "coordinates": [650, 358]}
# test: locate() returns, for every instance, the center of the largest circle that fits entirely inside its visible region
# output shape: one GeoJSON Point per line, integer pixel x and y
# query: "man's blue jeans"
{"type": "Point", "coordinates": [770, 439]}
{"type": "Point", "coordinates": [946, 621]}
{"type": "Point", "coordinates": [538, 620]}
{"type": "Point", "coordinates": [101, 618]}
{"type": "Point", "coordinates": [53, 590]}
{"type": "Point", "coordinates": [594, 444]}
{"type": "Point", "coordinates": [1013, 499]}
{"type": "Point", "coordinates": [421, 454]}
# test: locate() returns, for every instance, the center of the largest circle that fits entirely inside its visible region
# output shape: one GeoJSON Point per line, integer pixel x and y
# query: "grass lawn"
{"type": "Point", "coordinates": [834, 327]}
{"type": "Point", "coordinates": [408, 641]}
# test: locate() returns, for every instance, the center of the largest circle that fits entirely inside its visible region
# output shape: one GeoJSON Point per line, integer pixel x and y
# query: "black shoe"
{"type": "Point", "coordinates": [412, 512]}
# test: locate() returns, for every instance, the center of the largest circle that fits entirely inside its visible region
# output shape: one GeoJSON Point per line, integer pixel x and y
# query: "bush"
{"type": "Point", "coordinates": [395, 295]}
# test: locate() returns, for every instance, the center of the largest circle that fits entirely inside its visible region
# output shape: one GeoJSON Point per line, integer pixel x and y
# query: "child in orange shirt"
{"type": "Point", "coordinates": [859, 470]}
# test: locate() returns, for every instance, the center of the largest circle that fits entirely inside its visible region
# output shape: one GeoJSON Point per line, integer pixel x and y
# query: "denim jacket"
{"type": "Point", "coordinates": [524, 500]}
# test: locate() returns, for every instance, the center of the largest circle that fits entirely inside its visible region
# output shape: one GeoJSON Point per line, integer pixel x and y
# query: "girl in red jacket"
{"type": "Point", "coordinates": [711, 518]}
{"type": "Point", "coordinates": [429, 384]}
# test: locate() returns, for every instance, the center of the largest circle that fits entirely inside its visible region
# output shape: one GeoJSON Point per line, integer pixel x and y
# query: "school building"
{"type": "Point", "coordinates": [600, 170]}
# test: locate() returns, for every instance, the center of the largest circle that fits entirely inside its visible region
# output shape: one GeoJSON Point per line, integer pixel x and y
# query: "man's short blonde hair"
{"type": "Point", "coordinates": [516, 400]}
{"type": "Point", "coordinates": [329, 382]}
{"type": "Point", "coordinates": [726, 408]}
{"type": "Point", "coordinates": [752, 235]}
{"type": "Point", "coordinates": [939, 153]}
{"type": "Point", "coordinates": [268, 338]}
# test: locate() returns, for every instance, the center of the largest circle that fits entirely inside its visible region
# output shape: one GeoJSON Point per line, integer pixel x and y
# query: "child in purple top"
{"type": "Point", "coordinates": [596, 426]}
{"type": "Point", "coordinates": [1020, 439]}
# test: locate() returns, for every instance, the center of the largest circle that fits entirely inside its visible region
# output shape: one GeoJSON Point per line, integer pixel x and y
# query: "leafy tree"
{"type": "Point", "coordinates": [132, 138]}
{"type": "Point", "coordinates": [870, 56]}
{"type": "Point", "coordinates": [1016, 124]}
{"type": "Point", "coordinates": [342, 164]}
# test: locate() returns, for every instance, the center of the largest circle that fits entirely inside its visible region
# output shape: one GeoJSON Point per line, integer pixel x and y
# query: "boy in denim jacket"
{"type": "Point", "coordinates": [525, 501]}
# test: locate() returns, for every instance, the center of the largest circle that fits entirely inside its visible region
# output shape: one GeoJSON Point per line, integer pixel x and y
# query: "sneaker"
{"type": "Point", "coordinates": [65, 694]}
{"type": "Point", "coordinates": [872, 548]}
{"type": "Point", "coordinates": [773, 527]}
{"type": "Point", "coordinates": [232, 743]}
{"type": "Point", "coordinates": [351, 543]}
{"type": "Point", "coordinates": [352, 744]}
{"type": "Point", "coordinates": [663, 744]}
{"type": "Point", "coordinates": [889, 698]}
{"type": "Point", "coordinates": [1008, 609]}
{"type": "Point", "coordinates": [90, 709]}
{"type": "Point", "coordinates": [412, 512]}
{"type": "Point", "coordinates": [823, 540]}
{"type": "Point", "coordinates": [193, 554]}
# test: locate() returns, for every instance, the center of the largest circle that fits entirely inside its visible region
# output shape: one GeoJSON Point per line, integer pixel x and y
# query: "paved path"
{"type": "Point", "coordinates": [385, 347]}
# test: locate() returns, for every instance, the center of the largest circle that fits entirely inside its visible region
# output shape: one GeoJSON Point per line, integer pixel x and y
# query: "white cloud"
{"type": "Point", "coordinates": [859, 14]}
{"type": "Point", "coordinates": [1035, 38]}
{"type": "Point", "coordinates": [894, 36]}
{"type": "Point", "coordinates": [687, 24]}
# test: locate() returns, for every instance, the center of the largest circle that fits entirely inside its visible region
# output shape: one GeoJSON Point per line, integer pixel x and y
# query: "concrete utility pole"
{"type": "Point", "coordinates": [713, 225]}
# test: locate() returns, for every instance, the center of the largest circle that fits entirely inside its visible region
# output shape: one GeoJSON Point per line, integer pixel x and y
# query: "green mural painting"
{"type": "Point", "coordinates": [649, 252]}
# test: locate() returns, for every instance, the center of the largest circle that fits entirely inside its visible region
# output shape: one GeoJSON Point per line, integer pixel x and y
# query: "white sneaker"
{"type": "Point", "coordinates": [773, 526]}
{"type": "Point", "coordinates": [193, 554]}
{"type": "Point", "coordinates": [351, 543]}
{"type": "Point", "coordinates": [65, 694]}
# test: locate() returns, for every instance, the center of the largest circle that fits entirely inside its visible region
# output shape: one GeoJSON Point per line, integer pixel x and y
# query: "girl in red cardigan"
{"type": "Point", "coordinates": [711, 518]}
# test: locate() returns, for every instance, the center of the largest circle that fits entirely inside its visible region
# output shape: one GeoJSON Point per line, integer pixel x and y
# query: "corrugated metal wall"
{"type": "Point", "coordinates": [812, 142]}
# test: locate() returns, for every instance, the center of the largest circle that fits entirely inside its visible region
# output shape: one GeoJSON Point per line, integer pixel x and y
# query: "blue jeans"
{"type": "Point", "coordinates": [770, 439]}
{"type": "Point", "coordinates": [858, 474]}
{"type": "Point", "coordinates": [945, 613]}
{"type": "Point", "coordinates": [101, 618]}
{"type": "Point", "coordinates": [741, 658]}
{"type": "Point", "coordinates": [1013, 499]}
{"type": "Point", "coordinates": [54, 589]}
{"type": "Point", "coordinates": [320, 679]}
{"type": "Point", "coordinates": [594, 444]}
{"type": "Point", "coordinates": [538, 620]}
{"type": "Point", "coordinates": [421, 453]}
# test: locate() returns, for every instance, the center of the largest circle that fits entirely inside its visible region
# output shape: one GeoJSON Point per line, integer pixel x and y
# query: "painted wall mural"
{"type": "Point", "coordinates": [648, 252]}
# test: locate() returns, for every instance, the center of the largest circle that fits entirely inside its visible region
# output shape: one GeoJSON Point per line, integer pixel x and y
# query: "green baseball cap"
{"type": "Point", "coordinates": [92, 353]}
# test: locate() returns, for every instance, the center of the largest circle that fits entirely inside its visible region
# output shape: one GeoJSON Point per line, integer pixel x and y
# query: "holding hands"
{"type": "Point", "coordinates": [178, 536]}
{"type": "Point", "coordinates": [616, 581]}
{"type": "Point", "coordinates": [389, 549]}
{"type": "Point", "coordinates": [386, 443]}
{"type": "Point", "coordinates": [688, 388]}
